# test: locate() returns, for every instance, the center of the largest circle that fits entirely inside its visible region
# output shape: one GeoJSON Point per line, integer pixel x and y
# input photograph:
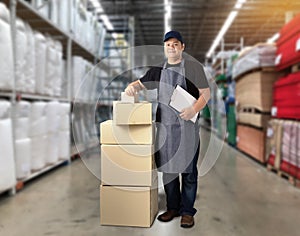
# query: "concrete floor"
{"type": "Point", "coordinates": [237, 197]}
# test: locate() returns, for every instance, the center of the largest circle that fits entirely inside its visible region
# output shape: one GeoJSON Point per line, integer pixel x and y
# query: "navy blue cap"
{"type": "Point", "coordinates": [173, 34]}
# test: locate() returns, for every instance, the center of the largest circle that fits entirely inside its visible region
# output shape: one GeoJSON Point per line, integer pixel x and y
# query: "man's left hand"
{"type": "Point", "coordinates": [188, 113]}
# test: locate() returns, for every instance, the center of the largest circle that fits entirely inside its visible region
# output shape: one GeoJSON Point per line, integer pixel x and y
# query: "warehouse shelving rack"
{"type": "Point", "coordinates": [219, 67]}
{"type": "Point", "coordinates": [71, 47]}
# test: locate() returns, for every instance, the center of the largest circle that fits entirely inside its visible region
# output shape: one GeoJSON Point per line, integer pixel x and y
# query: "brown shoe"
{"type": "Point", "coordinates": [187, 221]}
{"type": "Point", "coordinates": [168, 216]}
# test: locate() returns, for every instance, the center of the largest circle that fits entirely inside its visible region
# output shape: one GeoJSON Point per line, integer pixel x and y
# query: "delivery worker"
{"type": "Point", "coordinates": [177, 141]}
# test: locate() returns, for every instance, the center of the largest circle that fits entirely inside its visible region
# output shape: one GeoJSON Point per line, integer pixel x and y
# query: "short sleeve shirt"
{"type": "Point", "coordinates": [194, 75]}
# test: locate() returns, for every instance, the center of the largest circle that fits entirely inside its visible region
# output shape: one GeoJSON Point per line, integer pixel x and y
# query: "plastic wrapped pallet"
{"type": "Point", "coordinates": [58, 69]}
{"type": "Point", "coordinates": [52, 111]}
{"type": "Point", "coordinates": [7, 163]}
{"type": "Point", "coordinates": [52, 148]}
{"type": "Point", "coordinates": [73, 17]}
{"type": "Point", "coordinates": [23, 158]}
{"type": "Point", "coordinates": [64, 14]}
{"type": "Point", "coordinates": [54, 11]}
{"type": "Point", "coordinates": [6, 54]}
{"type": "Point", "coordinates": [21, 48]}
{"type": "Point", "coordinates": [54, 62]}
{"type": "Point", "coordinates": [64, 117]}
{"type": "Point", "coordinates": [43, 7]}
{"type": "Point", "coordinates": [65, 85]}
{"type": "Point", "coordinates": [78, 73]}
{"type": "Point", "coordinates": [29, 71]}
{"type": "Point", "coordinates": [51, 57]}
{"type": "Point", "coordinates": [80, 22]}
{"type": "Point", "coordinates": [38, 121]}
{"type": "Point", "coordinates": [291, 143]}
{"type": "Point", "coordinates": [64, 145]}
{"type": "Point", "coordinates": [22, 126]}
{"type": "Point", "coordinates": [38, 152]}
{"type": "Point", "coordinates": [261, 55]}
{"type": "Point", "coordinates": [22, 122]}
{"type": "Point", "coordinates": [40, 57]}
{"type": "Point", "coordinates": [4, 110]}
{"type": "Point", "coordinates": [65, 109]}
{"type": "Point", "coordinates": [274, 141]}
{"type": "Point", "coordinates": [22, 109]}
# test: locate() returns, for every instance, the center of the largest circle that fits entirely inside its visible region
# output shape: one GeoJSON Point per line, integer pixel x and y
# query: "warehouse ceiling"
{"type": "Point", "coordinates": [199, 21]}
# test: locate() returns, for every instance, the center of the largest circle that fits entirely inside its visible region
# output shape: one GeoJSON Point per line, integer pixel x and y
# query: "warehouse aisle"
{"type": "Point", "coordinates": [238, 197]}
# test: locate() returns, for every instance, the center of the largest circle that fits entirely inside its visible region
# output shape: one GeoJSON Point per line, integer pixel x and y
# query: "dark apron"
{"type": "Point", "coordinates": [176, 140]}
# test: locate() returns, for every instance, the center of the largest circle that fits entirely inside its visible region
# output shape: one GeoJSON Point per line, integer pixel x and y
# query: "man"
{"type": "Point", "coordinates": [177, 140]}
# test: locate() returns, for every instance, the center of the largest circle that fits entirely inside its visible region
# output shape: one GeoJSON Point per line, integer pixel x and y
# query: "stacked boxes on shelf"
{"type": "Point", "coordinates": [22, 139]}
{"type": "Point", "coordinates": [284, 132]}
{"type": "Point", "coordinates": [254, 84]}
{"type": "Point", "coordinates": [283, 146]}
{"type": "Point", "coordinates": [6, 62]}
{"type": "Point", "coordinates": [128, 191]}
{"type": "Point", "coordinates": [7, 165]}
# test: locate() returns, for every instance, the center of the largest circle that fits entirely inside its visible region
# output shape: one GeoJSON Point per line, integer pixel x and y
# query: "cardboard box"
{"type": "Point", "coordinates": [132, 113]}
{"type": "Point", "coordinates": [126, 134]}
{"type": "Point", "coordinates": [256, 90]}
{"type": "Point", "coordinates": [128, 206]}
{"type": "Point", "coordinates": [129, 99]}
{"type": "Point", "coordinates": [128, 165]}
{"type": "Point", "coordinates": [252, 142]}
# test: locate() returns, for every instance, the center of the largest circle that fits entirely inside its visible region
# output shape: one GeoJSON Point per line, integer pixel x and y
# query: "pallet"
{"type": "Point", "coordinates": [9, 192]}
{"type": "Point", "coordinates": [295, 68]}
{"type": "Point", "coordinates": [21, 182]}
{"type": "Point", "coordinates": [254, 110]}
{"type": "Point", "coordinates": [292, 180]}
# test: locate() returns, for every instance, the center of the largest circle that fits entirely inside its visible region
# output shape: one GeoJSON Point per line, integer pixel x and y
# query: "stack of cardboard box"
{"type": "Point", "coordinates": [128, 191]}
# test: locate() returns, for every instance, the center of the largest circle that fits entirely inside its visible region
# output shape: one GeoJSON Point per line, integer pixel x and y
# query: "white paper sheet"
{"type": "Point", "coordinates": [182, 99]}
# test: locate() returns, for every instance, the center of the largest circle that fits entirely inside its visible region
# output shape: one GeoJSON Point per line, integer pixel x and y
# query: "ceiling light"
{"type": "Point", "coordinates": [168, 15]}
{"type": "Point", "coordinates": [225, 27]}
{"type": "Point", "coordinates": [239, 4]}
{"type": "Point", "coordinates": [222, 32]}
{"type": "Point", "coordinates": [273, 38]}
{"type": "Point", "coordinates": [106, 22]}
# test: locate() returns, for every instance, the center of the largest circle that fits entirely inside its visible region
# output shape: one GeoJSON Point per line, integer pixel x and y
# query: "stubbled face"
{"type": "Point", "coordinates": [173, 48]}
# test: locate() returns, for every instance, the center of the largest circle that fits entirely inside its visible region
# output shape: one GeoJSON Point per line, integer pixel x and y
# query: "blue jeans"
{"type": "Point", "coordinates": [183, 201]}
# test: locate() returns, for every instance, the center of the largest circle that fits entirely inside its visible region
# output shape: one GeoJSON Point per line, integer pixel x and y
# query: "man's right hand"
{"type": "Point", "coordinates": [130, 90]}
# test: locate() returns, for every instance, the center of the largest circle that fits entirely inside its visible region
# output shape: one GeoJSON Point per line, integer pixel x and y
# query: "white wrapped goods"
{"type": "Point", "coordinates": [23, 158]}
{"type": "Point", "coordinates": [64, 123]}
{"type": "Point", "coordinates": [38, 121]}
{"type": "Point", "coordinates": [40, 57]}
{"type": "Point", "coordinates": [22, 126]}
{"type": "Point", "coordinates": [57, 83]}
{"type": "Point", "coordinates": [43, 7]}
{"type": "Point", "coordinates": [52, 148]}
{"type": "Point", "coordinates": [6, 53]}
{"type": "Point", "coordinates": [52, 113]}
{"type": "Point", "coordinates": [21, 48]}
{"type": "Point", "coordinates": [258, 56]}
{"type": "Point", "coordinates": [64, 15]}
{"type": "Point", "coordinates": [29, 72]}
{"type": "Point", "coordinates": [22, 109]}
{"type": "Point", "coordinates": [4, 110]}
{"type": "Point", "coordinates": [51, 58]}
{"type": "Point", "coordinates": [38, 152]}
{"type": "Point", "coordinates": [64, 145]}
{"type": "Point", "coordinates": [54, 13]}
{"type": "Point", "coordinates": [7, 162]}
